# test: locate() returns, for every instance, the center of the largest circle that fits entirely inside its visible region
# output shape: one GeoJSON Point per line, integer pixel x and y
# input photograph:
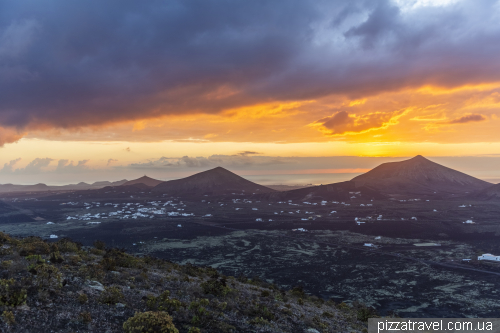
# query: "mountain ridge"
{"type": "Point", "coordinates": [143, 180]}
{"type": "Point", "coordinates": [215, 181]}
{"type": "Point", "coordinates": [419, 175]}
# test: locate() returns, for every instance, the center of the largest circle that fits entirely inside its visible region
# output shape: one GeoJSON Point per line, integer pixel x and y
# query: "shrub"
{"type": "Point", "coordinates": [55, 257]}
{"type": "Point", "coordinates": [4, 238]}
{"type": "Point", "coordinates": [96, 252]}
{"type": "Point", "coordinates": [215, 287]}
{"type": "Point", "coordinates": [8, 317]}
{"type": "Point", "coordinates": [111, 296]}
{"type": "Point", "coordinates": [192, 270]}
{"type": "Point", "coordinates": [298, 291]}
{"type": "Point", "coordinates": [82, 298]}
{"type": "Point", "coordinates": [366, 312]}
{"type": "Point", "coordinates": [100, 245]}
{"type": "Point", "coordinates": [327, 314]}
{"type": "Point", "coordinates": [47, 277]}
{"type": "Point", "coordinates": [194, 330]}
{"type": "Point", "coordinates": [343, 306]}
{"type": "Point", "coordinates": [11, 293]}
{"type": "Point", "coordinates": [74, 260]}
{"type": "Point", "coordinates": [33, 245]}
{"type": "Point", "coordinates": [258, 321]}
{"type": "Point", "coordinates": [108, 264]}
{"type": "Point", "coordinates": [116, 257]}
{"type": "Point", "coordinates": [91, 271]}
{"type": "Point", "coordinates": [260, 310]}
{"type": "Point", "coordinates": [150, 321]}
{"type": "Point", "coordinates": [85, 317]}
{"type": "Point", "coordinates": [163, 302]}
{"type": "Point", "coordinates": [6, 263]}
{"type": "Point", "coordinates": [66, 245]}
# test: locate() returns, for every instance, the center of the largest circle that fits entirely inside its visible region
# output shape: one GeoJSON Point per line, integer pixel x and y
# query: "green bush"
{"type": "Point", "coordinates": [260, 310]}
{"type": "Point", "coordinates": [33, 245]}
{"type": "Point", "coordinates": [298, 291]}
{"type": "Point", "coordinates": [118, 258]}
{"type": "Point", "coordinates": [9, 318]}
{"type": "Point", "coordinates": [74, 260]}
{"type": "Point", "coordinates": [366, 312]}
{"type": "Point", "coordinates": [111, 296]}
{"type": "Point", "coordinates": [66, 245]}
{"type": "Point", "coordinates": [163, 302]}
{"type": "Point", "coordinates": [83, 298]}
{"type": "Point", "coordinates": [6, 264]}
{"type": "Point", "coordinates": [100, 245]}
{"type": "Point", "coordinates": [153, 322]}
{"type": "Point", "coordinates": [327, 314]}
{"type": "Point", "coordinates": [92, 271]}
{"type": "Point", "coordinates": [4, 238]}
{"type": "Point", "coordinates": [47, 277]}
{"type": "Point", "coordinates": [215, 287]}
{"type": "Point", "coordinates": [55, 257]}
{"type": "Point", "coordinates": [258, 321]}
{"type": "Point", "coordinates": [343, 306]}
{"type": "Point", "coordinates": [11, 293]}
{"type": "Point", "coordinates": [85, 317]}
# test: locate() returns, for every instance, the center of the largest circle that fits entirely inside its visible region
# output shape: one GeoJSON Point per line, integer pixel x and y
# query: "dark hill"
{"type": "Point", "coordinates": [107, 183]}
{"type": "Point", "coordinates": [143, 180]}
{"type": "Point", "coordinates": [217, 181]}
{"type": "Point", "coordinates": [23, 188]}
{"type": "Point", "coordinates": [418, 175]}
{"type": "Point", "coordinates": [489, 193]}
{"type": "Point", "coordinates": [128, 293]}
{"type": "Point", "coordinates": [336, 191]}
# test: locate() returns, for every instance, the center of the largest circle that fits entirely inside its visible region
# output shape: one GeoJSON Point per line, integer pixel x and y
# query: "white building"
{"type": "Point", "coordinates": [488, 256]}
{"type": "Point", "coordinates": [369, 245]}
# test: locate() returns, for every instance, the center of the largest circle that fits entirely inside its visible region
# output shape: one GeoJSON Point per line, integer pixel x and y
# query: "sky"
{"type": "Point", "coordinates": [273, 90]}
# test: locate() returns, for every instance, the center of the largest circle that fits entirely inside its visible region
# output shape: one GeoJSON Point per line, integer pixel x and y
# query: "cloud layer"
{"type": "Point", "coordinates": [75, 64]}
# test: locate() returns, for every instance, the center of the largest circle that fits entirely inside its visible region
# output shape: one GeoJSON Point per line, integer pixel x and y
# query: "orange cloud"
{"type": "Point", "coordinates": [399, 116]}
{"type": "Point", "coordinates": [9, 135]}
{"type": "Point", "coordinates": [343, 123]}
{"type": "Point", "coordinates": [467, 119]}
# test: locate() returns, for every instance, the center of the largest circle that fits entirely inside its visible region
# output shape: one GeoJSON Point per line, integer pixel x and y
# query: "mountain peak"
{"type": "Point", "coordinates": [143, 180]}
{"type": "Point", "coordinates": [214, 181]}
{"type": "Point", "coordinates": [418, 175]}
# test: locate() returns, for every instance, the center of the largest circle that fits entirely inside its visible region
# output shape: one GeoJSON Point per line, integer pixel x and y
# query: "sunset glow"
{"type": "Point", "coordinates": [374, 79]}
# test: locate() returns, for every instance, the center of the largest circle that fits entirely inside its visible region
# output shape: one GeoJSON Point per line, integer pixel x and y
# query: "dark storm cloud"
{"type": "Point", "coordinates": [68, 63]}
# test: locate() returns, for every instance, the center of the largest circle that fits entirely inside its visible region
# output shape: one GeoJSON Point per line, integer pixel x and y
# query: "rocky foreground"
{"type": "Point", "coordinates": [63, 287]}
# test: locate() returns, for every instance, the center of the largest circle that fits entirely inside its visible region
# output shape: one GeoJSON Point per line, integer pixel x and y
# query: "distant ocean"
{"type": "Point", "coordinates": [301, 179]}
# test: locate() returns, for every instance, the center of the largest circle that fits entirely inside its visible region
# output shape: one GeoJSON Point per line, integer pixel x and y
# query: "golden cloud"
{"type": "Point", "coordinates": [9, 135]}
{"type": "Point", "coordinates": [343, 123]}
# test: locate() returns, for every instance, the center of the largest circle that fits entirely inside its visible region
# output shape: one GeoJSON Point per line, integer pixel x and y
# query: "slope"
{"type": "Point", "coordinates": [143, 180]}
{"type": "Point", "coordinates": [342, 191]}
{"type": "Point", "coordinates": [418, 175]}
{"type": "Point", "coordinates": [217, 181]}
{"type": "Point", "coordinates": [489, 193]}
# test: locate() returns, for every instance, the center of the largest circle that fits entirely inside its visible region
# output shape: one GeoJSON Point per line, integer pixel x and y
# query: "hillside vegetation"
{"type": "Point", "coordinates": [63, 287]}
